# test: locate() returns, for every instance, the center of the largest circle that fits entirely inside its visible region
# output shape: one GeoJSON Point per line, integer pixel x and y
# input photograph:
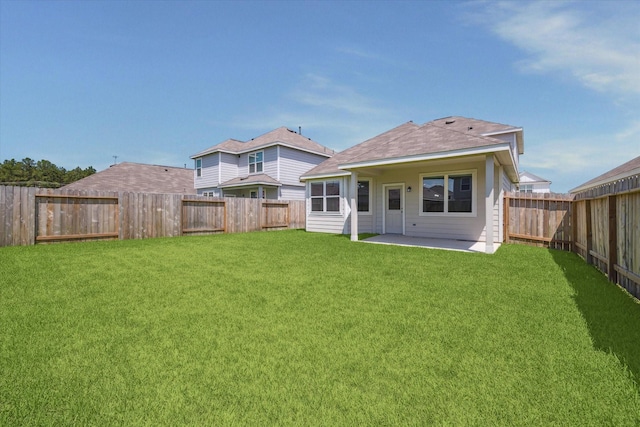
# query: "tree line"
{"type": "Point", "coordinates": [43, 173]}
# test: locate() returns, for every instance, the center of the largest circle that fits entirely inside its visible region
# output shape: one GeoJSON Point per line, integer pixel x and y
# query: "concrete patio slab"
{"type": "Point", "coordinates": [422, 242]}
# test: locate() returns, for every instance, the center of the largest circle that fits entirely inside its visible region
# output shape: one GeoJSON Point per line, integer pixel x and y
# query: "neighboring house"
{"type": "Point", "coordinates": [268, 166]}
{"type": "Point", "coordinates": [623, 172]}
{"type": "Point", "coordinates": [443, 179]}
{"type": "Point", "coordinates": [139, 178]}
{"type": "Point", "coordinates": [530, 183]}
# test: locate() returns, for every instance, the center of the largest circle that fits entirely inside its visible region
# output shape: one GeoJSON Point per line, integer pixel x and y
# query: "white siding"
{"type": "Point", "coordinates": [209, 176]}
{"type": "Point", "coordinates": [229, 167]}
{"type": "Point", "coordinates": [334, 222]}
{"type": "Point", "coordinates": [270, 166]}
{"type": "Point", "coordinates": [289, 192]}
{"type": "Point", "coordinates": [295, 163]}
{"type": "Point", "coordinates": [445, 227]}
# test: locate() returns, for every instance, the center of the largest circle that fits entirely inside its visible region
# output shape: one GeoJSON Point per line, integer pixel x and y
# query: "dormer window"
{"type": "Point", "coordinates": [255, 162]}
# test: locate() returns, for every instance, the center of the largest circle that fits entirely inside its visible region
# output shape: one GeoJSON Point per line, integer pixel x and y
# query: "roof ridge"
{"type": "Point", "coordinates": [481, 136]}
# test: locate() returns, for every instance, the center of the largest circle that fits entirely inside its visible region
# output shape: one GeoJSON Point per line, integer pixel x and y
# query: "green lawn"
{"type": "Point", "coordinates": [295, 328]}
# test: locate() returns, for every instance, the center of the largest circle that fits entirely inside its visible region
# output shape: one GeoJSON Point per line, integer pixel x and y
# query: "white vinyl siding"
{"type": "Point", "coordinates": [290, 192]}
{"type": "Point", "coordinates": [437, 226]}
{"type": "Point", "coordinates": [228, 167]}
{"type": "Point", "coordinates": [270, 165]}
{"type": "Point", "coordinates": [295, 163]}
{"type": "Point", "coordinates": [209, 176]}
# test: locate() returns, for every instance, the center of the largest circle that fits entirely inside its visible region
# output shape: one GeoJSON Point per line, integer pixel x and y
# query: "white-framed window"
{"type": "Point", "coordinates": [364, 196]}
{"type": "Point", "coordinates": [256, 162]}
{"type": "Point", "coordinates": [526, 188]}
{"type": "Point", "coordinates": [325, 196]}
{"type": "Point", "coordinates": [198, 167]}
{"type": "Point", "coordinates": [208, 193]}
{"type": "Point", "coordinates": [451, 193]}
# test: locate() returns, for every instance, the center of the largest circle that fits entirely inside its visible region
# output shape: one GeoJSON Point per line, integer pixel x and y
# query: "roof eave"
{"type": "Point", "coordinates": [250, 184]}
{"type": "Point", "coordinates": [323, 175]}
{"type": "Point", "coordinates": [262, 147]}
{"type": "Point", "coordinates": [605, 181]}
{"type": "Point", "coordinates": [430, 156]}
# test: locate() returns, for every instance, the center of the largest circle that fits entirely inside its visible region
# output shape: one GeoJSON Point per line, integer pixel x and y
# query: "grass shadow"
{"type": "Point", "coordinates": [612, 315]}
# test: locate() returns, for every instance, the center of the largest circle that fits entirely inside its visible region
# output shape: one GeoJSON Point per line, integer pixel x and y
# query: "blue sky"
{"type": "Point", "coordinates": [157, 81]}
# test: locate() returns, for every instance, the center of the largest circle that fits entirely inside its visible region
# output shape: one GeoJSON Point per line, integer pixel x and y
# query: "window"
{"type": "Point", "coordinates": [255, 162]}
{"type": "Point", "coordinates": [325, 196]}
{"type": "Point", "coordinates": [364, 196]}
{"type": "Point", "coordinates": [198, 167]}
{"type": "Point", "coordinates": [253, 194]}
{"type": "Point", "coordinates": [526, 188]}
{"type": "Point", "coordinates": [448, 194]}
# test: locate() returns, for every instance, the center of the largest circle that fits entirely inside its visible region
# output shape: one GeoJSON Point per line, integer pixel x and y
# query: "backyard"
{"type": "Point", "coordinates": [296, 328]}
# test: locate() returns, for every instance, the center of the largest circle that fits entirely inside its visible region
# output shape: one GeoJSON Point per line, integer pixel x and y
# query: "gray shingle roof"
{"type": "Point", "coordinates": [626, 169]}
{"type": "Point", "coordinates": [138, 177]}
{"type": "Point", "coordinates": [280, 135]}
{"type": "Point", "coordinates": [409, 139]}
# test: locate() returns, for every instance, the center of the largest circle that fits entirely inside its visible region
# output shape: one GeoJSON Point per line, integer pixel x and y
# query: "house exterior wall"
{"type": "Point", "coordinates": [443, 226]}
{"type": "Point", "coordinates": [290, 192]}
{"type": "Point", "coordinates": [209, 177]}
{"type": "Point", "coordinates": [294, 163]}
{"type": "Point", "coordinates": [228, 167]}
{"type": "Point", "coordinates": [270, 166]}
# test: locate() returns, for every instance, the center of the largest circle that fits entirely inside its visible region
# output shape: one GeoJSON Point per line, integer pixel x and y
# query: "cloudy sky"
{"type": "Point", "coordinates": [157, 81]}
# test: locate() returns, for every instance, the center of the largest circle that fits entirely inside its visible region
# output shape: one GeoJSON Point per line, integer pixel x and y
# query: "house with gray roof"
{"type": "Point", "coordinates": [138, 178]}
{"type": "Point", "coordinates": [268, 166]}
{"type": "Point", "coordinates": [442, 179]}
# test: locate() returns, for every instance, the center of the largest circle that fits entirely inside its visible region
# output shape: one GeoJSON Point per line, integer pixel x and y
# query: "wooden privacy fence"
{"type": "Point", "coordinates": [602, 226]}
{"type": "Point", "coordinates": [33, 215]}
{"type": "Point", "coordinates": [543, 219]}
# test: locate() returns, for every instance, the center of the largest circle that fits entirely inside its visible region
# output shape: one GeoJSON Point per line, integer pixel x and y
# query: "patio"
{"type": "Point", "coordinates": [423, 242]}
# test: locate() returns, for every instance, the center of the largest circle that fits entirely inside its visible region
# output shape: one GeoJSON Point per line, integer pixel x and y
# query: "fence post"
{"type": "Point", "coordinates": [505, 212]}
{"type": "Point", "coordinates": [587, 215]}
{"type": "Point", "coordinates": [613, 239]}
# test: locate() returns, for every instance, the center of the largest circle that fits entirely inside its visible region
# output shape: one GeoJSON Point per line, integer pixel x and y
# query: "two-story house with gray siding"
{"type": "Point", "coordinates": [268, 166]}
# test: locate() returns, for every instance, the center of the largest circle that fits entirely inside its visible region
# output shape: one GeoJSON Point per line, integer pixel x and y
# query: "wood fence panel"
{"type": "Point", "coordinates": [203, 216]}
{"type": "Point", "coordinates": [274, 215]}
{"type": "Point", "coordinates": [628, 230]}
{"type": "Point", "coordinates": [539, 219]}
{"type": "Point", "coordinates": [74, 216]}
{"type": "Point", "coordinates": [30, 214]}
{"type": "Point", "coordinates": [600, 233]}
{"type": "Point", "coordinates": [580, 224]}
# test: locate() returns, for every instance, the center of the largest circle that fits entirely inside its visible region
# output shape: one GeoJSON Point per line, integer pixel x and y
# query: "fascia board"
{"type": "Point", "coordinates": [250, 184]}
{"type": "Point", "coordinates": [206, 153]}
{"type": "Point", "coordinates": [324, 175]}
{"type": "Point", "coordinates": [430, 156]}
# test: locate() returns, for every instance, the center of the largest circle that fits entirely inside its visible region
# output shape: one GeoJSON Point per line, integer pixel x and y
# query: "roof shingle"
{"type": "Point", "coordinates": [138, 177]}
{"type": "Point", "coordinates": [280, 135]}
{"type": "Point", "coordinates": [409, 139]}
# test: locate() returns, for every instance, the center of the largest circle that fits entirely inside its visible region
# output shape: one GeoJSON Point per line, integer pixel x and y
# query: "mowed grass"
{"type": "Point", "coordinates": [295, 328]}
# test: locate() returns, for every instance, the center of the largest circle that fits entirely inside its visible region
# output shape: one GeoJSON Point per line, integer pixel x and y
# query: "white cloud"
{"type": "Point", "coordinates": [334, 114]}
{"type": "Point", "coordinates": [598, 43]}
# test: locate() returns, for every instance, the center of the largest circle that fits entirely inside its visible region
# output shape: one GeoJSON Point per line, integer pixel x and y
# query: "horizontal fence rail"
{"type": "Point", "coordinates": [37, 215]}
